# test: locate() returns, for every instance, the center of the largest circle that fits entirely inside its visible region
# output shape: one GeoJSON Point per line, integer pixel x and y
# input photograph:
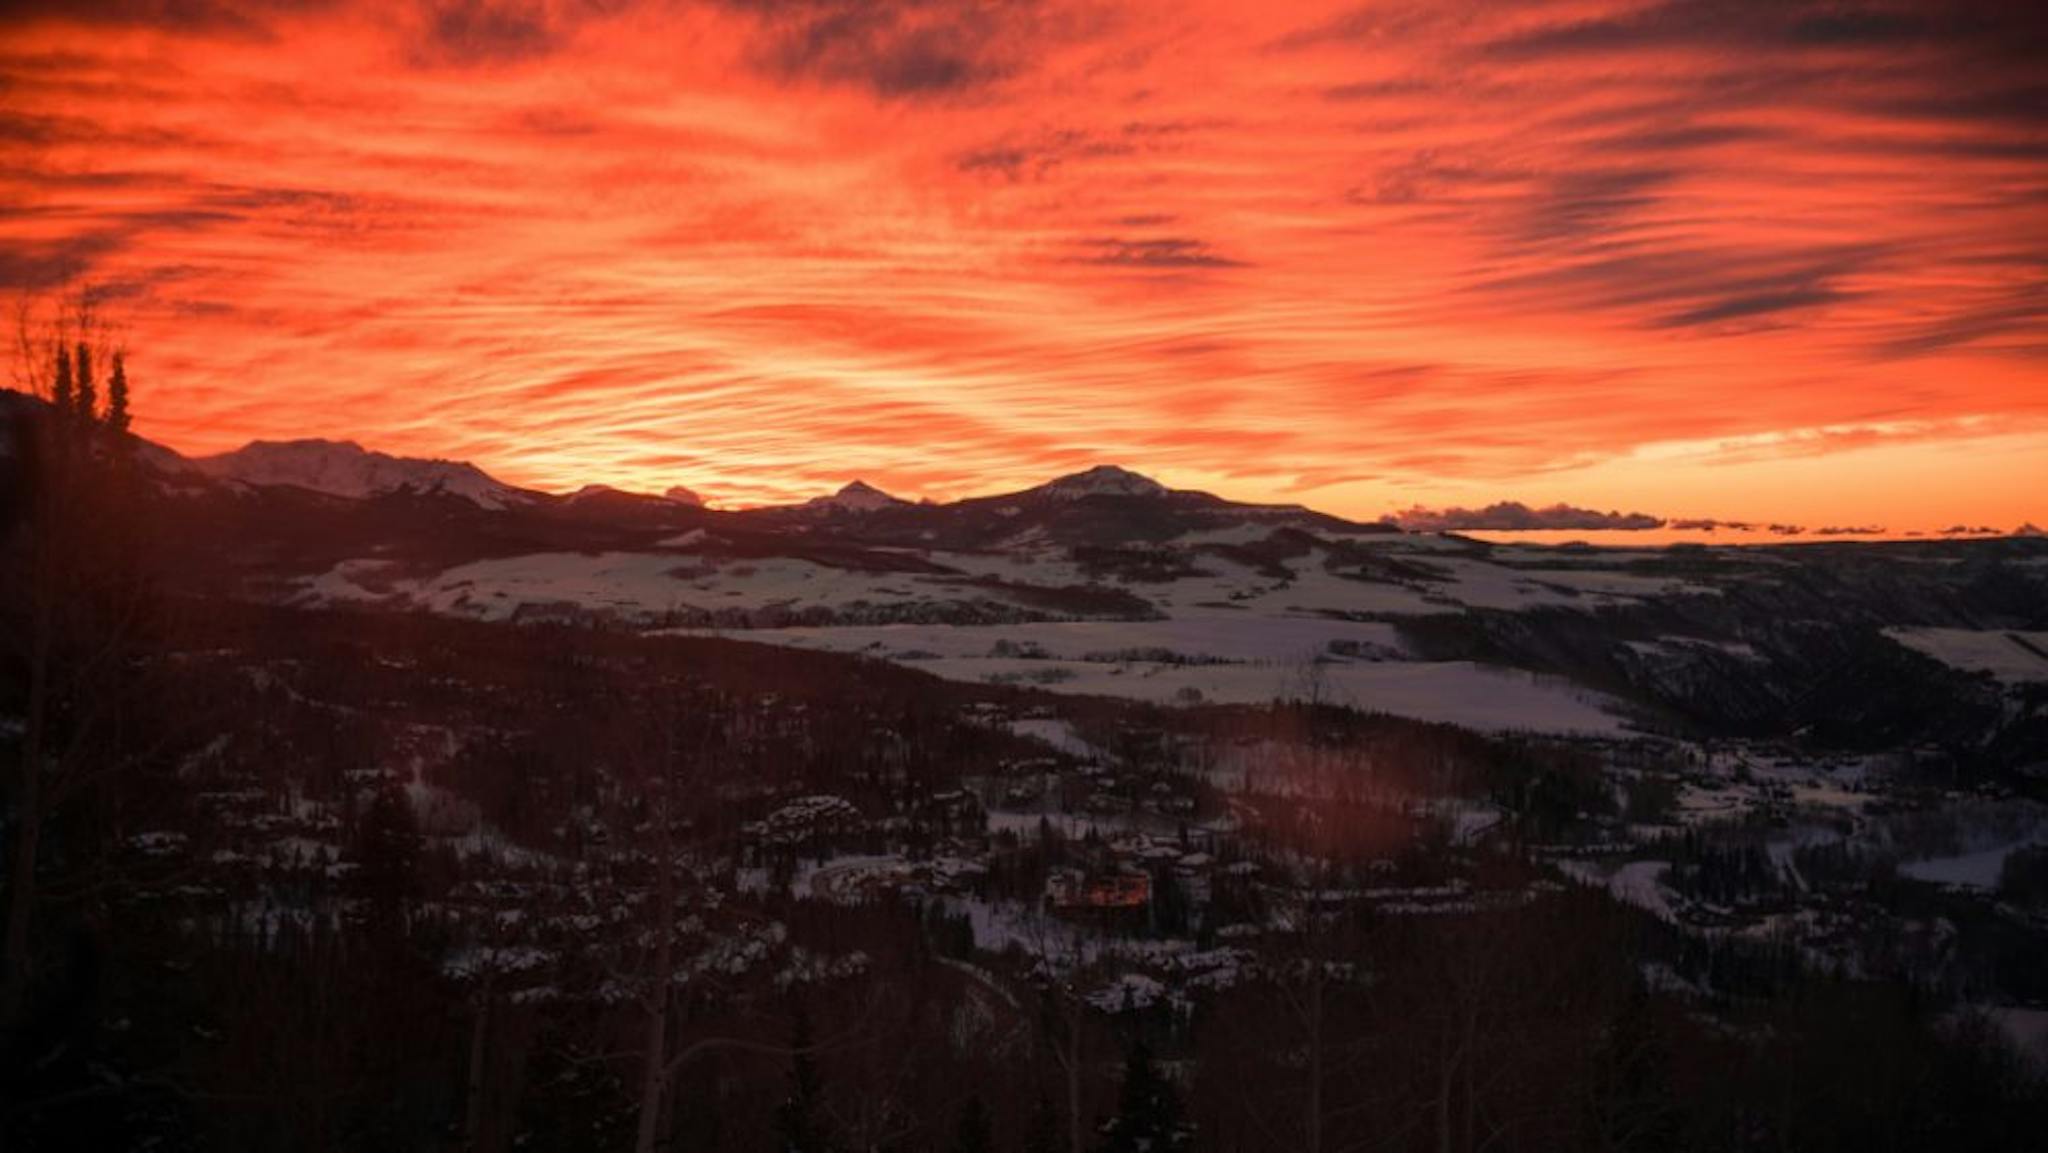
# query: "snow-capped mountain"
{"type": "Point", "coordinates": [1102, 480]}
{"type": "Point", "coordinates": [347, 469]}
{"type": "Point", "coordinates": [860, 496]}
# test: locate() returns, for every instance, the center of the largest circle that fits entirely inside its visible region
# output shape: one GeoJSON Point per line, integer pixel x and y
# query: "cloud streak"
{"type": "Point", "coordinates": [1391, 253]}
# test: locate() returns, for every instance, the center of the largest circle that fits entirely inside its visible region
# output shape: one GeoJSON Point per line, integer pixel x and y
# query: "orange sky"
{"type": "Point", "coordinates": [1702, 258]}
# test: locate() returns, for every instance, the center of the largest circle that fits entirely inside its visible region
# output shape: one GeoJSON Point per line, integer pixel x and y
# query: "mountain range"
{"type": "Point", "coordinates": [1105, 582]}
{"type": "Point", "coordinates": [346, 469]}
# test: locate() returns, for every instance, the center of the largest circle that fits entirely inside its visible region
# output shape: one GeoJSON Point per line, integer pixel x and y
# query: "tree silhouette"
{"type": "Point", "coordinates": [63, 393]}
{"type": "Point", "coordinates": [117, 418]}
{"type": "Point", "coordinates": [389, 846]}
{"type": "Point", "coordinates": [87, 396]}
{"type": "Point", "coordinates": [80, 606]}
{"type": "Point", "coordinates": [1148, 1114]}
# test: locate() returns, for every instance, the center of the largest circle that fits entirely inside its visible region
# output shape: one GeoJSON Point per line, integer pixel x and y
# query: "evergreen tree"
{"type": "Point", "coordinates": [1148, 1110]}
{"type": "Point", "coordinates": [79, 607]}
{"type": "Point", "coordinates": [88, 389]}
{"type": "Point", "coordinates": [63, 394]}
{"type": "Point", "coordinates": [388, 847]}
{"type": "Point", "coordinates": [117, 397]}
{"type": "Point", "coordinates": [975, 1134]}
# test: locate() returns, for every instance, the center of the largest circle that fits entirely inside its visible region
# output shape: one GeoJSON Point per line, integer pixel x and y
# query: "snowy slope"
{"type": "Point", "coordinates": [860, 496]}
{"type": "Point", "coordinates": [2009, 656]}
{"type": "Point", "coordinates": [347, 469]}
{"type": "Point", "coordinates": [1102, 480]}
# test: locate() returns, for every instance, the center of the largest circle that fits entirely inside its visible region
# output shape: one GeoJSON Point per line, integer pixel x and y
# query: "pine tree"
{"type": "Point", "coordinates": [88, 389]}
{"type": "Point", "coordinates": [62, 393]}
{"type": "Point", "coordinates": [81, 603]}
{"type": "Point", "coordinates": [117, 397]}
{"type": "Point", "coordinates": [388, 852]}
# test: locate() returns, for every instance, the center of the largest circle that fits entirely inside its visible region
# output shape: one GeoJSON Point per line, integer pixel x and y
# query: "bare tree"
{"type": "Point", "coordinates": [1063, 968]}
{"type": "Point", "coordinates": [1314, 959]}
{"type": "Point", "coordinates": [675, 756]}
{"type": "Point", "coordinates": [665, 761]}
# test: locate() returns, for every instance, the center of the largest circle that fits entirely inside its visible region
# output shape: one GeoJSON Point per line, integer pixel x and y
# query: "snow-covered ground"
{"type": "Point", "coordinates": [1682, 647]}
{"type": "Point", "coordinates": [2027, 1029]}
{"type": "Point", "coordinates": [1976, 870]}
{"type": "Point", "coordinates": [1638, 883]}
{"type": "Point", "coordinates": [1199, 635]}
{"type": "Point", "coordinates": [1451, 692]}
{"type": "Point", "coordinates": [1313, 589]}
{"type": "Point", "coordinates": [1212, 655]}
{"type": "Point", "coordinates": [1060, 735]}
{"type": "Point", "coordinates": [2009, 656]}
{"type": "Point", "coordinates": [637, 585]}
{"type": "Point", "coordinates": [1217, 601]}
{"type": "Point", "coordinates": [1483, 584]}
{"type": "Point", "coordinates": [1224, 631]}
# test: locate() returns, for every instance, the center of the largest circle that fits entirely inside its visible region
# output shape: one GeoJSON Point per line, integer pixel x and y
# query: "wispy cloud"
{"type": "Point", "coordinates": [1391, 252]}
{"type": "Point", "coordinates": [1154, 252]}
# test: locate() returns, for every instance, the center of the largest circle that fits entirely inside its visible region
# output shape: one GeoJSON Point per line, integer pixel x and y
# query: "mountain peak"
{"type": "Point", "coordinates": [347, 469]}
{"type": "Point", "coordinates": [1104, 480]}
{"type": "Point", "coordinates": [301, 445]}
{"type": "Point", "coordinates": [859, 496]}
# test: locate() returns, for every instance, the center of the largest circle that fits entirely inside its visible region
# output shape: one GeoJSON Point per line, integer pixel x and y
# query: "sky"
{"type": "Point", "coordinates": [1762, 261]}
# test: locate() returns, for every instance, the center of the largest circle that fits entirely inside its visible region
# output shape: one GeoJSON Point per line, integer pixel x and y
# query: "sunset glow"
{"type": "Point", "coordinates": [1773, 263]}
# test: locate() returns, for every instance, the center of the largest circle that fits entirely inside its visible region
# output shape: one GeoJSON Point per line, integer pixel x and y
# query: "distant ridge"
{"type": "Point", "coordinates": [346, 469]}
{"type": "Point", "coordinates": [1100, 500]}
{"type": "Point", "coordinates": [857, 497]}
{"type": "Point", "coordinates": [1102, 480]}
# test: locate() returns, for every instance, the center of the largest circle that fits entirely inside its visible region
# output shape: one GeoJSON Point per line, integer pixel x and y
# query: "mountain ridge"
{"type": "Point", "coordinates": [345, 469]}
